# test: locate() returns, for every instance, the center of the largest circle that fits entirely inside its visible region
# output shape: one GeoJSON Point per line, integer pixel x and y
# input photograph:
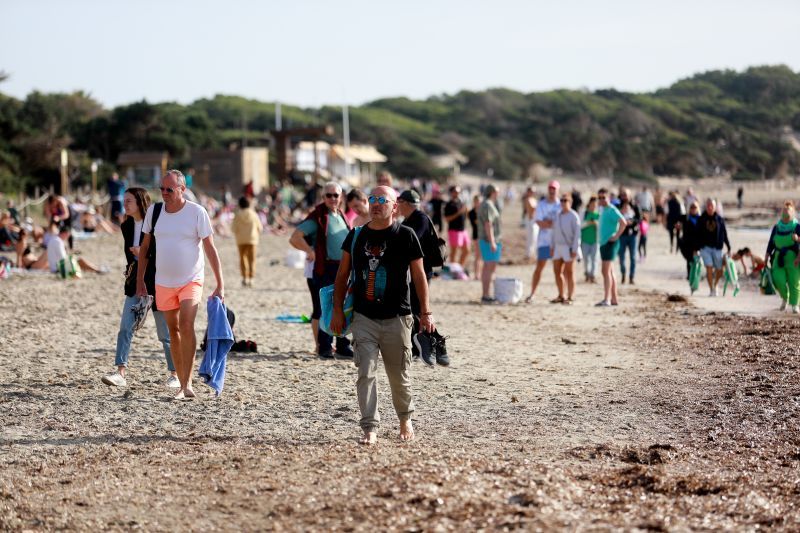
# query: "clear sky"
{"type": "Point", "coordinates": [326, 52]}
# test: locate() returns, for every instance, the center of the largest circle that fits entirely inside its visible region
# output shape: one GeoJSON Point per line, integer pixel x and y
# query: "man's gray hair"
{"type": "Point", "coordinates": [178, 175]}
{"type": "Point", "coordinates": [333, 185]}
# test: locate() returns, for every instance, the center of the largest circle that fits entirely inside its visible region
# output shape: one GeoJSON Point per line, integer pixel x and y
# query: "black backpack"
{"type": "Point", "coordinates": [434, 247]}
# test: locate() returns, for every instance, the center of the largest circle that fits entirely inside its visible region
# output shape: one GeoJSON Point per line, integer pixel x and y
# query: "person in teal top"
{"type": "Point", "coordinates": [589, 239]}
{"type": "Point", "coordinates": [327, 229]}
{"type": "Point", "coordinates": [612, 225]}
{"type": "Point", "coordinates": [782, 253]}
{"type": "Point", "coordinates": [334, 236]}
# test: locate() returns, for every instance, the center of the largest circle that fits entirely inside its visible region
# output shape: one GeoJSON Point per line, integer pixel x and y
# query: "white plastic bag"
{"type": "Point", "coordinates": [507, 290]}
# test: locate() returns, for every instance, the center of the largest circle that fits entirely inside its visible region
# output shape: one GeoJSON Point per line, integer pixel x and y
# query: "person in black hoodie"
{"type": "Point", "coordinates": [429, 346]}
{"type": "Point", "coordinates": [674, 214]}
{"type": "Point", "coordinates": [689, 241]}
{"type": "Point", "coordinates": [135, 204]}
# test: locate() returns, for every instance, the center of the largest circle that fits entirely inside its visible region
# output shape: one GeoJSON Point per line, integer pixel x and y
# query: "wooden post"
{"type": "Point", "coordinates": [64, 176]}
{"type": "Point", "coordinates": [94, 180]}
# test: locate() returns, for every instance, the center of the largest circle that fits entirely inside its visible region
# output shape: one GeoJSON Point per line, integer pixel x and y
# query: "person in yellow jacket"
{"type": "Point", "coordinates": [247, 229]}
{"type": "Point", "coordinates": [782, 255]}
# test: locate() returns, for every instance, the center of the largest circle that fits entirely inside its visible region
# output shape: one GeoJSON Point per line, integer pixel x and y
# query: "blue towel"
{"type": "Point", "coordinates": [220, 340]}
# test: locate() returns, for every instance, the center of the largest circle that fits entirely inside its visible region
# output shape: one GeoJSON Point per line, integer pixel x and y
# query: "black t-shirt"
{"type": "Point", "coordinates": [381, 260]}
{"type": "Point", "coordinates": [436, 211]}
{"type": "Point", "coordinates": [473, 221]}
{"type": "Point", "coordinates": [422, 226]}
{"type": "Point", "coordinates": [451, 208]}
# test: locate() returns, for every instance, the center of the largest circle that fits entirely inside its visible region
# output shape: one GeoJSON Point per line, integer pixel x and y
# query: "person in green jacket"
{"type": "Point", "coordinates": [782, 254]}
{"type": "Point", "coordinates": [589, 239]}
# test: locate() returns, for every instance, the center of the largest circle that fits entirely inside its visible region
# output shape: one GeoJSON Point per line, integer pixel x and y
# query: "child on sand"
{"type": "Point", "coordinates": [757, 263]}
{"type": "Point", "coordinates": [644, 227]}
{"type": "Point", "coordinates": [247, 229]}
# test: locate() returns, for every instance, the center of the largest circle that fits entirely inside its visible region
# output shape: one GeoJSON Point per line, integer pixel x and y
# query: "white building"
{"type": "Point", "coordinates": [360, 165]}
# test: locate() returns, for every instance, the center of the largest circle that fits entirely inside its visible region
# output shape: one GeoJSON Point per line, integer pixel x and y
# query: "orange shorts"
{"type": "Point", "coordinates": [170, 298]}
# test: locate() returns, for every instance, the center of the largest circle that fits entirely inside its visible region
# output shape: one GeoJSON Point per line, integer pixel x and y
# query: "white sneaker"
{"type": "Point", "coordinates": [173, 382]}
{"type": "Point", "coordinates": [795, 309]}
{"type": "Point", "coordinates": [783, 305]}
{"type": "Point", "coordinates": [115, 380]}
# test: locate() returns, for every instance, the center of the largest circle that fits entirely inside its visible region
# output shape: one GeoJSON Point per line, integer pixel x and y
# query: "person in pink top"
{"type": "Point", "coordinates": [644, 228]}
{"type": "Point", "coordinates": [357, 212]}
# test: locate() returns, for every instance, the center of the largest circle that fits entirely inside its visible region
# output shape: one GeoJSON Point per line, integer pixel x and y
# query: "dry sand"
{"type": "Point", "coordinates": [652, 415]}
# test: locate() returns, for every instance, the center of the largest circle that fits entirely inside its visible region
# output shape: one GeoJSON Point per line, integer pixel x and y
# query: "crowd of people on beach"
{"type": "Point", "coordinates": [375, 253]}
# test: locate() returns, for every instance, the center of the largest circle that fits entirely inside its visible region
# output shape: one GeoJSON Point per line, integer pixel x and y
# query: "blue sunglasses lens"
{"type": "Point", "coordinates": [380, 199]}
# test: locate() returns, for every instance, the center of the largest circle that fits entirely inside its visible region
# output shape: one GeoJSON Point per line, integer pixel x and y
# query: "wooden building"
{"type": "Point", "coordinates": [231, 168]}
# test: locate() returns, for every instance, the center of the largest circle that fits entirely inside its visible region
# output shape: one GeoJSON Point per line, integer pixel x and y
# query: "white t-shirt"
{"type": "Point", "coordinates": [137, 232]}
{"type": "Point", "coordinates": [179, 258]}
{"type": "Point", "coordinates": [56, 251]}
{"type": "Point", "coordinates": [546, 211]}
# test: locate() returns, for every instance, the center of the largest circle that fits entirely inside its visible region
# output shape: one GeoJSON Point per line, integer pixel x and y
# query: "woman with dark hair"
{"type": "Point", "coordinates": [56, 209]}
{"type": "Point", "coordinates": [357, 212]}
{"type": "Point", "coordinates": [627, 241]}
{"type": "Point", "coordinates": [135, 204]}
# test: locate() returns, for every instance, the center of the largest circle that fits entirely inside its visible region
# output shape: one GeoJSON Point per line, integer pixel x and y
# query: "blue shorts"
{"type": "Point", "coordinates": [486, 251]}
{"type": "Point", "coordinates": [543, 253]}
{"type": "Point", "coordinates": [712, 257]}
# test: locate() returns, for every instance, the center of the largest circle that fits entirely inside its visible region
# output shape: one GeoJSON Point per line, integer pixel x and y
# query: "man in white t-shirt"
{"type": "Point", "coordinates": [546, 213]}
{"type": "Point", "coordinates": [179, 231]}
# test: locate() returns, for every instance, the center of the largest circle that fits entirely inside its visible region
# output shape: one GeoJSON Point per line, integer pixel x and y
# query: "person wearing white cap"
{"type": "Point", "coordinates": [546, 213]}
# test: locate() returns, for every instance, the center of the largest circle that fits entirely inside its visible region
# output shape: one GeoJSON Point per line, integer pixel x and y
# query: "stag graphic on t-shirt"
{"type": "Point", "coordinates": [376, 276]}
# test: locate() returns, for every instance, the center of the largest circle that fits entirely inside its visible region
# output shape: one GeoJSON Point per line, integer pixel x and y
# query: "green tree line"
{"type": "Point", "coordinates": [718, 121]}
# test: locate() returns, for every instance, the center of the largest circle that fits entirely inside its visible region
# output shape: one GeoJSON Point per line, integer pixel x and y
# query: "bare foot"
{"type": "Point", "coordinates": [368, 438]}
{"type": "Point", "coordinates": [406, 430]}
{"type": "Point", "coordinates": [188, 392]}
{"type": "Point", "coordinates": [529, 299]}
{"type": "Point", "coordinates": [180, 395]}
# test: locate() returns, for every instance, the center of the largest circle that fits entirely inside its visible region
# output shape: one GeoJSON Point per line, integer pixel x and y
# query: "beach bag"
{"type": "Point", "coordinates": [731, 277]}
{"type": "Point", "coordinates": [695, 274]}
{"type": "Point", "coordinates": [434, 248]}
{"type": "Point", "coordinates": [765, 282]}
{"type": "Point", "coordinates": [326, 298]}
{"type": "Point", "coordinates": [68, 268]}
{"type": "Point", "coordinates": [508, 290]}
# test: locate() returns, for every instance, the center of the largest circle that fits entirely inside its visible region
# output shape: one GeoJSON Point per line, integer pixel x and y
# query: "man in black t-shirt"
{"type": "Point", "coordinates": [386, 257]}
{"type": "Point", "coordinates": [436, 202]}
{"type": "Point", "coordinates": [455, 213]}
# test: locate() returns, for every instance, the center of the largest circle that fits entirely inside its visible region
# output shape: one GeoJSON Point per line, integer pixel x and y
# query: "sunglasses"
{"type": "Point", "coordinates": [167, 189]}
{"type": "Point", "coordinates": [379, 199]}
{"type": "Point", "coordinates": [331, 195]}
{"type": "Point", "coordinates": [564, 200]}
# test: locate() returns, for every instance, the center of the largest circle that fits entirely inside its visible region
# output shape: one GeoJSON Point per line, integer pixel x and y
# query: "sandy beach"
{"type": "Point", "coordinates": [653, 415]}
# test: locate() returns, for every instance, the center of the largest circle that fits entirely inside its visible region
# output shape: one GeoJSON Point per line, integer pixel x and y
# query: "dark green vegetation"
{"type": "Point", "coordinates": [733, 122]}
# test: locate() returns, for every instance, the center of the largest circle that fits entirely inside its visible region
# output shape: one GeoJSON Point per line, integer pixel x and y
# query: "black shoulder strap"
{"type": "Point", "coordinates": [156, 212]}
